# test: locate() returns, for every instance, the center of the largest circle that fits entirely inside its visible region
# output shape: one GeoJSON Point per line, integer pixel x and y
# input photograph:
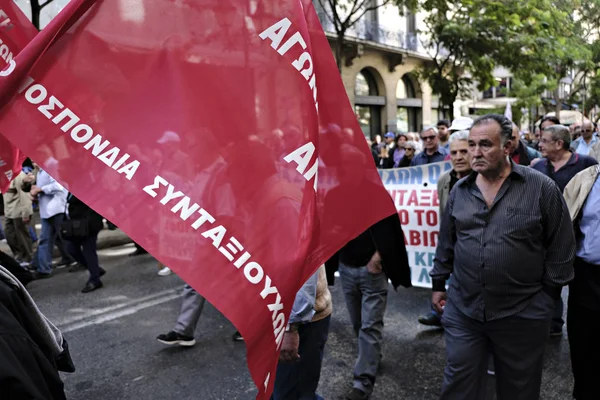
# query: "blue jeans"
{"type": "Point", "coordinates": [366, 300]}
{"type": "Point", "coordinates": [299, 380]}
{"type": "Point", "coordinates": [42, 259]}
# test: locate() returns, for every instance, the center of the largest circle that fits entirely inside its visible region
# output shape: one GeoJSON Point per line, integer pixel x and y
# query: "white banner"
{"type": "Point", "coordinates": [414, 190]}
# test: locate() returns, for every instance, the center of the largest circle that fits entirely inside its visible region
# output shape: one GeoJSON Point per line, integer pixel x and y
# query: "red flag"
{"type": "Point", "coordinates": [15, 32]}
{"type": "Point", "coordinates": [217, 134]}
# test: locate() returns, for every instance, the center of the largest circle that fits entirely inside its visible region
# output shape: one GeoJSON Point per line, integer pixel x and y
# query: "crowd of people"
{"type": "Point", "coordinates": [519, 217]}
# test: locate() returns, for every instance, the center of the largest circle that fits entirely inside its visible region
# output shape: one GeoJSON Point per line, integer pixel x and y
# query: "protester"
{"type": "Point", "coordinates": [461, 167]}
{"type": "Point", "coordinates": [535, 142]}
{"type": "Point", "coordinates": [588, 139]}
{"type": "Point", "coordinates": [301, 357]}
{"type": "Point", "coordinates": [81, 230]}
{"type": "Point", "coordinates": [443, 127]}
{"type": "Point", "coordinates": [560, 165]}
{"type": "Point", "coordinates": [432, 152]}
{"type": "Point", "coordinates": [18, 212]}
{"type": "Point", "coordinates": [521, 153]}
{"type": "Point", "coordinates": [410, 148]}
{"type": "Point", "coordinates": [52, 200]}
{"type": "Point", "coordinates": [499, 301]}
{"type": "Point", "coordinates": [377, 143]}
{"type": "Point", "coordinates": [582, 195]}
{"type": "Point", "coordinates": [32, 349]}
{"type": "Point", "coordinates": [399, 151]}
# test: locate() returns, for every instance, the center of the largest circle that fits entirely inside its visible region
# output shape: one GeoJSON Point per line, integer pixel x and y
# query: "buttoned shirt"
{"type": "Point", "coordinates": [588, 247]}
{"type": "Point", "coordinates": [583, 148]}
{"type": "Point", "coordinates": [500, 257]}
{"type": "Point", "coordinates": [423, 158]}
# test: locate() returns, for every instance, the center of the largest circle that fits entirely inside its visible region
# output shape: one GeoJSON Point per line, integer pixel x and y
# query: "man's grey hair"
{"type": "Point", "coordinates": [560, 132]}
{"type": "Point", "coordinates": [506, 125]}
{"type": "Point", "coordinates": [430, 128]}
{"type": "Point", "coordinates": [458, 135]}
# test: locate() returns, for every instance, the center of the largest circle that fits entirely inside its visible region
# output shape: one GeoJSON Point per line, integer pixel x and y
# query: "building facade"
{"type": "Point", "coordinates": [381, 54]}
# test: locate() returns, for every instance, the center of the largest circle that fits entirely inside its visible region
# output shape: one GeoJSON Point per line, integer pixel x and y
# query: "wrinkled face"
{"type": "Point", "coordinates": [460, 157]}
{"type": "Point", "coordinates": [443, 132]}
{"type": "Point", "coordinates": [430, 140]}
{"type": "Point", "coordinates": [587, 129]}
{"type": "Point", "coordinates": [410, 152]}
{"type": "Point", "coordinates": [549, 147]}
{"type": "Point", "coordinates": [486, 149]}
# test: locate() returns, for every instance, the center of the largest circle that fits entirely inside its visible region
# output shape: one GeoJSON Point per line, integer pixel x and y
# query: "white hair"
{"type": "Point", "coordinates": [459, 135]}
{"type": "Point", "coordinates": [430, 128]}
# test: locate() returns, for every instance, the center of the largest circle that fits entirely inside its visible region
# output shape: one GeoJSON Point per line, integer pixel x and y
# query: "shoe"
{"type": "Point", "coordinates": [138, 252]}
{"type": "Point", "coordinates": [91, 286]}
{"type": "Point", "coordinates": [430, 319]}
{"type": "Point", "coordinates": [357, 394]}
{"type": "Point", "coordinates": [173, 338]}
{"type": "Point", "coordinates": [25, 264]}
{"type": "Point", "coordinates": [555, 332]}
{"type": "Point", "coordinates": [166, 271]}
{"type": "Point", "coordinates": [39, 275]}
{"type": "Point", "coordinates": [64, 263]}
{"type": "Point", "coordinates": [102, 271]}
{"type": "Point", "coordinates": [77, 267]}
{"type": "Point", "coordinates": [237, 337]}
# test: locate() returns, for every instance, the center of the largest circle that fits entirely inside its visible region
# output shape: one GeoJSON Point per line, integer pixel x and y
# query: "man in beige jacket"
{"type": "Point", "coordinates": [18, 212]}
{"type": "Point", "coordinates": [582, 195]}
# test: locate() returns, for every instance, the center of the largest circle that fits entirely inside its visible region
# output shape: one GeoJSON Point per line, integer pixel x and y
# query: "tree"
{"type": "Point", "coordinates": [36, 9]}
{"type": "Point", "coordinates": [344, 14]}
{"type": "Point", "coordinates": [463, 38]}
{"type": "Point", "coordinates": [556, 40]}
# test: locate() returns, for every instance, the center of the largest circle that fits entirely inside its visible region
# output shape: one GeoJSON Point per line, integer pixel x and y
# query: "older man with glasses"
{"type": "Point", "coordinates": [432, 152]}
{"type": "Point", "coordinates": [588, 139]}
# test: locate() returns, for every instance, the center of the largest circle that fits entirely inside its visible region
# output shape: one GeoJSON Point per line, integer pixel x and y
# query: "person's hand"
{"type": "Point", "coordinates": [35, 190]}
{"type": "Point", "coordinates": [26, 219]}
{"type": "Point", "coordinates": [374, 266]}
{"type": "Point", "coordinates": [289, 347]}
{"type": "Point", "coordinates": [438, 299]}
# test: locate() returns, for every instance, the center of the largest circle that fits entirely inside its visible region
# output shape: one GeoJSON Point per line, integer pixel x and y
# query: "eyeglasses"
{"type": "Point", "coordinates": [587, 130]}
{"type": "Point", "coordinates": [427, 138]}
{"type": "Point", "coordinates": [544, 141]}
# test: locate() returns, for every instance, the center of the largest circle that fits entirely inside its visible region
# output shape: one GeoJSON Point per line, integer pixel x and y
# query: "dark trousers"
{"type": "Point", "coordinates": [299, 380]}
{"type": "Point", "coordinates": [19, 241]}
{"type": "Point", "coordinates": [583, 325]}
{"type": "Point", "coordinates": [83, 250]}
{"type": "Point", "coordinates": [517, 344]}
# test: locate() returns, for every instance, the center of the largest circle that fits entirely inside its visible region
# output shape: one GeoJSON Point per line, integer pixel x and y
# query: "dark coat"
{"type": "Point", "coordinates": [78, 210]}
{"type": "Point", "coordinates": [389, 240]}
{"type": "Point", "coordinates": [28, 370]}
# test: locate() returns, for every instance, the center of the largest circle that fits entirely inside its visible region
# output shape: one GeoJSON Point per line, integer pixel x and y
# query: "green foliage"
{"type": "Point", "coordinates": [540, 41]}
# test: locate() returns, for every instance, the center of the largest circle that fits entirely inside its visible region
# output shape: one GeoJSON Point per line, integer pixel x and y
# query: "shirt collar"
{"type": "Point", "coordinates": [573, 159]}
{"type": "Point", "coordinates": [516, 172]}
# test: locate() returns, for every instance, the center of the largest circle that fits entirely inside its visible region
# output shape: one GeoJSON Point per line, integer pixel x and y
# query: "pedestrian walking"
{"type": "Point", "coordinates": [52, 199]}
{"type": "Point", "coordinates": [18, 212]}
{"type": "Point", "coordinates": [582, 195]}
{"type": "Point", "coordinates": [507, 265]}
{"type": "Point", "coordinates": [81, 229]}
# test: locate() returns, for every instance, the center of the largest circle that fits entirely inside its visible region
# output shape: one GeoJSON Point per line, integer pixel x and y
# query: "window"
{"type": "Point", "coordinates": [365, 84]}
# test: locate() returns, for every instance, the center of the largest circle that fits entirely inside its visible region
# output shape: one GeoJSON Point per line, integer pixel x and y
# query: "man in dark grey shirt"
{"type": "Point", "coordinates": [508, 243]}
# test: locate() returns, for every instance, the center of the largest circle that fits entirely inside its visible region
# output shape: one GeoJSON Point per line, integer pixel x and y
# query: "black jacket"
{"type": "Point", "coordinates": [78, 210]}
{"type": "Point", "coordinates": [28, 370]}
{"type": "Point", "coordinates": [389, 240]}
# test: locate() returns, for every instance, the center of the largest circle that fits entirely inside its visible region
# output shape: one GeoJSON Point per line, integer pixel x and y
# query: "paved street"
{"type": "Point", "coordinates": [112, 333]}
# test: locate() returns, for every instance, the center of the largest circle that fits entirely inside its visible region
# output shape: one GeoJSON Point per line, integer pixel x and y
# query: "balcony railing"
{"type": "Point", "coordinates": [375, 32]}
